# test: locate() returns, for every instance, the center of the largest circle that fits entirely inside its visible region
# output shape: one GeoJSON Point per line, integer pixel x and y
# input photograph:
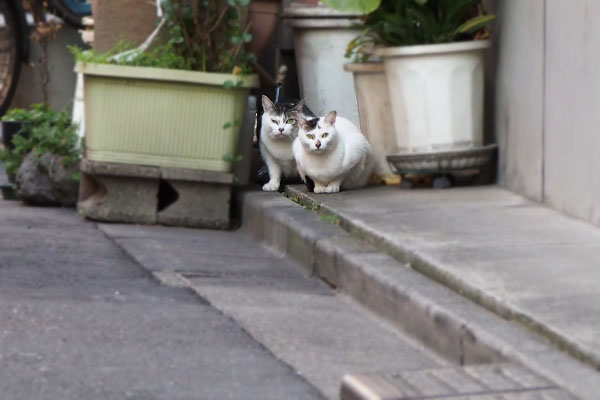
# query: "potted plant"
{"type": "Point", "coordinates": [433, 63]}
{"type": "Point", "coordinates": [179, 104]}
{"type": "Point", "coordinates": [43, 155]}
{"type": "Point", "coordinates": [163, 121]}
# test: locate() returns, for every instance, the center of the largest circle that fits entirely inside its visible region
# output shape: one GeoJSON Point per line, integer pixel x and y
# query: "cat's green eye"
{"type": "Point", "coordinates": [325, 135]}
{"type": "Point", "coordinates": [310, 136]}
{"type": "Point", "coordinates": [290, 121]}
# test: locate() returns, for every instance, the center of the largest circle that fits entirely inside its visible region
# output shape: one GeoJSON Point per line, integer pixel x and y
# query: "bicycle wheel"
{"type": "Point", "coordinates": [72, 11]}
{"type": "Point", "coordinates": [11, 53]}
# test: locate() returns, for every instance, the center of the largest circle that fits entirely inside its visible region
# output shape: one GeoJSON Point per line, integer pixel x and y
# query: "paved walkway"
{"type": "Point", "coordinates": [516, 257]}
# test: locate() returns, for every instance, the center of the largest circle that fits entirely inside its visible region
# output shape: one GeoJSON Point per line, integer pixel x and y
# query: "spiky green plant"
{"type": "Point", "coordinates": [413, 22]}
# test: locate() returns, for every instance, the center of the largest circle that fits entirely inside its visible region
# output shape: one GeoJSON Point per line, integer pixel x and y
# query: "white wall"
{"type": "Point", "coordinates": [572, 108]}
{"type": "Point", "coordinates": [519, 95]}
{"type": "Point", "coordinates": [548, 102]}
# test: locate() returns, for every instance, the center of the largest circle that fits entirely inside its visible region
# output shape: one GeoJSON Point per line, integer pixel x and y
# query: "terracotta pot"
{"type": "Point", "coordinates": [374, 111]}
{"type": "Point", "coordinates": [263, 16]}
{"type": "Point", "coordinates": [130, 20]}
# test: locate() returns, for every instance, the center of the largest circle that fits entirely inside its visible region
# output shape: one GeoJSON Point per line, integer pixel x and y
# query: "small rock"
{"type": "Point", "coordinates": [46, 181]}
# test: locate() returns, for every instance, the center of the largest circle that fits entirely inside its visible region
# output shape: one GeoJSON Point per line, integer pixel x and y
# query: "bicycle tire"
{"type": "Point", "coordinates": [11, 47]}
{"type": "Point", "coordinates": [69, 14]}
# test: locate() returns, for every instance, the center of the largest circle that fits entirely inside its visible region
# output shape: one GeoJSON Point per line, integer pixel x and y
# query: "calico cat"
{"type": "Point", "coordinates": [333, 152]}
{"type": "Point", "coordinates": [279, 128]}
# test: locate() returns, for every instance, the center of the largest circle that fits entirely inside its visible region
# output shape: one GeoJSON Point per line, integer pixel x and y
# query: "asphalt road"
{"type": "Point", "coordinates": [80, 320]}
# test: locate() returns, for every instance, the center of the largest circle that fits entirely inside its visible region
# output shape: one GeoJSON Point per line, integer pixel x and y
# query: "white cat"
{"type": "Point", "coordinates": [278, 131]}
{"type": "Point", "coordinates": [333, 152]}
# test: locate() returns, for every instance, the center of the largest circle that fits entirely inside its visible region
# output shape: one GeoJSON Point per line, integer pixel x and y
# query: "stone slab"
{"type": "Point", "coordinates": [486, 382]}
{"type": "Point", "coordinates": [116, 169]}
{"type": "Point", "coordinates": [195, 175]}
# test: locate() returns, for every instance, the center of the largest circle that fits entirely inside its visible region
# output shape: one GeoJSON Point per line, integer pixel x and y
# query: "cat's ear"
{"type": "Point", "coordinates": [298, 107]}
{"type": "Point", "coordinates": [302, 122]}
{"type": "Point", "coordinates": [330, 118]}
{"type": "Point", "coordinates": [268, 105]}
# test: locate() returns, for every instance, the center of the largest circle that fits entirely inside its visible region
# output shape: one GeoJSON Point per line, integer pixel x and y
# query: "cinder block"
{"type": "Point", "coordinates": [144, 194]}
{"type": "Point", "coordinates": [197, 205]}
{"type": "Point", "coordinates": [118, 199]}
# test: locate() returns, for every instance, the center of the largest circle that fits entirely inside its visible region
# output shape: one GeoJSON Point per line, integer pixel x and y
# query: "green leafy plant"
{"type": "Point", "coordinates": [46, 131]}
{"type": "Point", "coordinates": [414, 22]}
{"type": "Point", "coordinates": [209, 33]}
{"type": "Point", "coordinates": [359, 6]}
{"type": "Point", "coordinates": [161, 56]}
{"type": "Point", "coordinates": [197, 35]}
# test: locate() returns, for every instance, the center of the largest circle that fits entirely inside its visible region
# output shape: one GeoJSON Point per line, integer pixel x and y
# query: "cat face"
{"type": "Point", "coordinates": [279, 121]}
{"type": "Point", "coordinates": [318, 135]}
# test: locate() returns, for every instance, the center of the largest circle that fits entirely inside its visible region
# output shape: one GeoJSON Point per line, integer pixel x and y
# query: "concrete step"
{"type": "Point", "coordinates": [440, 318]}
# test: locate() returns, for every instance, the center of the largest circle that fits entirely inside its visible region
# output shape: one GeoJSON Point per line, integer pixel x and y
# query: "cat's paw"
{"type": "Point", "coordinates": [320, 189]}
{"type": "Point", "coordinates": [271, 186]}
{"type": "Point", "coordinates": [332, 189]}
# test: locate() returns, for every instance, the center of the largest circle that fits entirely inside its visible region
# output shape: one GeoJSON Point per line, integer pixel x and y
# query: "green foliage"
{"type": "Point", "coordinates": [418, 22]}
{"type": "Point", "coordinates": [197, 35]}
{"type": "Point", "coordinates": [46, 131]}
{"type": "Point", "coordinates": [37, 113]}
{"type": "Point", "coordinates": [211, 34]}
{"type": "Point", "coordinates": [359, 6]}
{"type": "Point", "coordinates": [232, 158]}
{"type": "Point", "coordinates": [162, 56]}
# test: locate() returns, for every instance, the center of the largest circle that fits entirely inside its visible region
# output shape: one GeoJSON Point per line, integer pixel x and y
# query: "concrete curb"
{"type": "Point", "coordinates": [445, 321]}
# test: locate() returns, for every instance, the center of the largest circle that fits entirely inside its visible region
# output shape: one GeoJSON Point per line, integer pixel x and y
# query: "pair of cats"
{"type": "Point", "coordinates": [329, 151]}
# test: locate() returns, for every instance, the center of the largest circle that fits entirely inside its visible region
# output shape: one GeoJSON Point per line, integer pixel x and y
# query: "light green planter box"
{"type": "Point", "coordinates": [162, 117]}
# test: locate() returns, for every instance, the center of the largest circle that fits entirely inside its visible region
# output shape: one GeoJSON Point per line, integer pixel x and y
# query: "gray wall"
{"type": "Point", "coordinates": [548, 102]}
{"type": "Point", "coordinates": [61, 88]}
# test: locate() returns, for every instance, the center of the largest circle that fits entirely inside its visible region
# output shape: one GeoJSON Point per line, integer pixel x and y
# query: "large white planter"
{"type": "Point", "coordinates": [436, 94]}
{"type": "Point", "coordinates": [321, 36]}
{"type": "Point", "coordinates": [374, 111]}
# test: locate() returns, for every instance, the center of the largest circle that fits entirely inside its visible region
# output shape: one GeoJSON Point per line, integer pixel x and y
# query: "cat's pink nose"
{"type": "Point", "coordinates": [281, 130]}
{"type": "Point", "coordinates": [318, 144]}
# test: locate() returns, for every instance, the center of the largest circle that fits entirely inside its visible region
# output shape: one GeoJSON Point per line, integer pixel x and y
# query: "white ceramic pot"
{"type": "Point", "coordinates": [375, 112]}
{"type": "Point", "coordinates": [321, 36]}
{"type": "Point", "coordinates": [436, 93]}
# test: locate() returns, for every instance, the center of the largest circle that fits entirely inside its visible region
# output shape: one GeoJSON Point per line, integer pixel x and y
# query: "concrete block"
{"type": "Point", "coordinates": [198, 205]}
{"type": "Point", "coordinates": [145, 194]}
{"type": "Point", "coordinates": [110, 198]}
